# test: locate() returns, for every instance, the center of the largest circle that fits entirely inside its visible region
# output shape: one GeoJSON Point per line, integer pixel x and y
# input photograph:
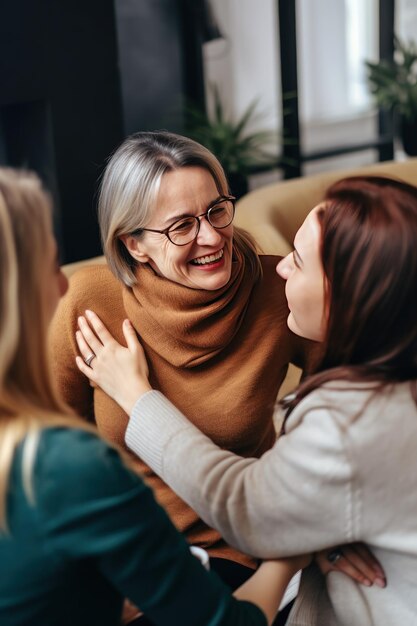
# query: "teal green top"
{"type": "Point", "coordinates": [94, 536]}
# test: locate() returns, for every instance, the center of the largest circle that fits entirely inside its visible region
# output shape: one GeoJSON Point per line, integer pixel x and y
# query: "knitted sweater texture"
{"type": "Point", "coordinates": [344, 471]}
{"type": "Point", "coordinates": [220, 356]}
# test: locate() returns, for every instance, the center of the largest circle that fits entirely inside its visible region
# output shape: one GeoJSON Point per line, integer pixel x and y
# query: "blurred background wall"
{"type": "Point", "coordinates": [60, 104]}
{"type": "Point", "coordinates": [77, 76]}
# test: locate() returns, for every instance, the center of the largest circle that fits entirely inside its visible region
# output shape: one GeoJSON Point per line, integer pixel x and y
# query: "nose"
{"type": "Point", "coordinates": [285, 266]}
{"type": "Point", "coordinates": [207, 235]}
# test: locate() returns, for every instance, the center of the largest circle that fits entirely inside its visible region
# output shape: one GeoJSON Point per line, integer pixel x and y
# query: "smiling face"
{"type": "Point", "coordinates": [305, 281]}
{"type": "Point", "coordinates": [206, 262]}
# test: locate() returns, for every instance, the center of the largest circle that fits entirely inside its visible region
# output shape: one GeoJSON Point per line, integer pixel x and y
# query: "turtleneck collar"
{"type": "Point", "coordinates": [188, 327]}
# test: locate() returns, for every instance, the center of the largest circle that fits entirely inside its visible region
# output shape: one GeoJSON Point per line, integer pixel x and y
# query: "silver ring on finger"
{"type": "Point", "coordinates": [89, 359]}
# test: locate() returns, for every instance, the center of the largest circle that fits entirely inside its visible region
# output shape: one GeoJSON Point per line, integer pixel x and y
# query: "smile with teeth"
{"type": "Point", "coordinates": [211, 258]}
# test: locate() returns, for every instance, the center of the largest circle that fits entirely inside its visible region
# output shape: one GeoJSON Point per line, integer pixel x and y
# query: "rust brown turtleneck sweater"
{"type": "Point", "coordinates": [219, 356]}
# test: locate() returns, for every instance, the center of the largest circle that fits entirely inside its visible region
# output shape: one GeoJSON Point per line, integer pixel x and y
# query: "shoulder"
{"type": "Point", "coordinates": [337, 400]}
{"type": "Point", "coordinates": [74, 464]}
{"type": "Point", "coordinates": [93, 278]}
{"type": "Point", "coordinates": [85, 499]}
{"type": "Point", "coordinates": [348, 404]}
{"type": "Point", "coordinates": [94, 287]}
{"type": "Point", "coordinates": [317, 440]}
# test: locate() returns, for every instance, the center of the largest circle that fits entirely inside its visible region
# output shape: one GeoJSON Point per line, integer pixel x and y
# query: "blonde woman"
{"type": "Point", "coordinates": [78, 529]}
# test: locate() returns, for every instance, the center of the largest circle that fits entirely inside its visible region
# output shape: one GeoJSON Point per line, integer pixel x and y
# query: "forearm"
{"type": "Point", "coordinates": [271, 507]}
{"type": "Point", "coordinates": [267, 586]}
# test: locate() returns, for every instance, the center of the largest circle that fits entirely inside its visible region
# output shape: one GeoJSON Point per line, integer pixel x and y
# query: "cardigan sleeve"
{"type": "Point", "coordinates": [93, 508]}
{"type": "Point", "coordinates": [298, 497]}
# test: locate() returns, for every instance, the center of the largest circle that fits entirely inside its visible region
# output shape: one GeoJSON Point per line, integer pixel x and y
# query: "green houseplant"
{"type": "Point", "coordinates": [239, 151]}
{"type": "Point", "coordinates": [394, 85]}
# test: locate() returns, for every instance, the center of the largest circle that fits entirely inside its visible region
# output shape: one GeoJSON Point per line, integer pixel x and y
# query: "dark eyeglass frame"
{"type": "Point", "coordinates": [198, 218]}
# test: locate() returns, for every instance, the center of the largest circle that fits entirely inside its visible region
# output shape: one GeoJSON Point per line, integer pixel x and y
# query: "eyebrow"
{"type": "Point", "coordinates": [297, 259]}
{"type": "Point", "coordinates": [171, 220]}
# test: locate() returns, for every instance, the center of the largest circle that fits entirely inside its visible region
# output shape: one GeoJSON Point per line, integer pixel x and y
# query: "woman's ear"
{"type": "Point", "coordinates": [134, 247]}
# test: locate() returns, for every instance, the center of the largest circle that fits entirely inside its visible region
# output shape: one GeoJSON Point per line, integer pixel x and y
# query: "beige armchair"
{"type": "Point", "coordinates": [273, 214]}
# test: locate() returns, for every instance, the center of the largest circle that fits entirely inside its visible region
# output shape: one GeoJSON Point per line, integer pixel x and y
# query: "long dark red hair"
{"type": "Point", "coordinates": [369, 256]}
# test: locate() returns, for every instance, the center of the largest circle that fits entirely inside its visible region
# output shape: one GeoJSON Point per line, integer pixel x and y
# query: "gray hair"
{"type": "Point", "coordinates": [131, 183]}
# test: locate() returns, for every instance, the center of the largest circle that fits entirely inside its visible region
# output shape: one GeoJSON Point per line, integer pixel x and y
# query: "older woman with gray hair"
{"type": "Point", "coordinates": [202, 303]}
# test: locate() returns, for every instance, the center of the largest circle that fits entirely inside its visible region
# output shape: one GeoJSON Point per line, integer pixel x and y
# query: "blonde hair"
{"type": "Point", "coordinates": [130, 186]}
{"type": "Point", "coordinates": [28, 399]}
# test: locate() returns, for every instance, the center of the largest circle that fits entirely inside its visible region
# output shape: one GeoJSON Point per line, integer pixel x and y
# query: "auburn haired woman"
{"type": "Point", "coordinates": [345, 468]}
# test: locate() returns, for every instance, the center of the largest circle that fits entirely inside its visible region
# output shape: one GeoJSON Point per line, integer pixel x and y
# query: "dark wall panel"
{"type": "Point", "coordinates": [60, 104]}
{"type": "Point", "coordinates": [151, 63]}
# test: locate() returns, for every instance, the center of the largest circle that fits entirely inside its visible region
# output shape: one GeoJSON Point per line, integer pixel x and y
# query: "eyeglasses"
{"type": "Point", "coordinates": [219, 215]}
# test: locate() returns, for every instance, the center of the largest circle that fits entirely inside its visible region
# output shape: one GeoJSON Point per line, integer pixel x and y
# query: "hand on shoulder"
{"type": "Point", "coordinates": [121, 371]}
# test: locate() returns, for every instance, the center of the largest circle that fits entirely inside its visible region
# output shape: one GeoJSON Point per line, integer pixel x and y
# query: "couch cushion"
{"type": "Point", "coordinates": [274, 213]}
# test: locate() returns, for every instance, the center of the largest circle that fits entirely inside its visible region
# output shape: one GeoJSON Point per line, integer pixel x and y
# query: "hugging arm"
{"type": "Point", "coordinates": [245, 499]}
{"type": "Point", "coordinates": [270, 507]}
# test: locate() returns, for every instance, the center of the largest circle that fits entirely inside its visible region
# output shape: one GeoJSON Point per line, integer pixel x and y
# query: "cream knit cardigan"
{"type": "Point", "coordinates": [346, 470]}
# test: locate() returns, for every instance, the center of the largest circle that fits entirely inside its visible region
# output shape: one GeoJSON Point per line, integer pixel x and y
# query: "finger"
{"type": "Point", "coordinates": [365, 553]}
{"type": "Point", "coordinates": [131, 337]}
{"type": "Point", "coordinates": [361, 564]}
{"type": "Point", "coordinates": [345, 566]}
{"type": "Point", "coordinates": [83, 346]}
{"type": "Point", "coordinates": [89, 336]}
{"type": "Point", "coordinates": [87, 371]}
{"type": "Point", "coordinates": [361, 557]}
{"type": "Point", "coordinates": [99, 328]}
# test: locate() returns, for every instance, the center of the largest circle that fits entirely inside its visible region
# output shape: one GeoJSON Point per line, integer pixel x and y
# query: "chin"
{"type": "Point", "coordinates": [293, 326]}
{"type": "Point", "coordinates": [211, 283]}
{"type": "Point", "coordinates": [306, 333]}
